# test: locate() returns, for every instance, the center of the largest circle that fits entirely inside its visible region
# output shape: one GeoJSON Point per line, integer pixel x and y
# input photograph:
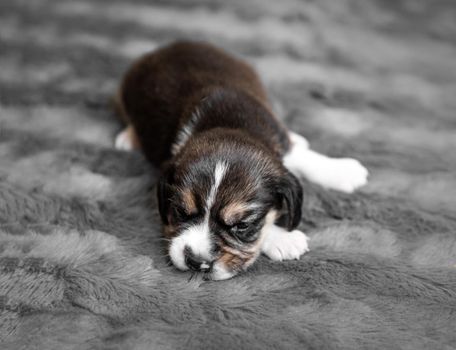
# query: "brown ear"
{"type": "Point", "coordinates": [164, 191]}
{"type": "Point", "coordinates": [289, 191]}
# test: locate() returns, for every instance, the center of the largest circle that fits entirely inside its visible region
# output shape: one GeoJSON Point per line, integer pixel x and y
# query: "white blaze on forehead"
{"type": "Point", "coordinates": [198, 237]}
{"type": "Point", "coordinates": [219, 173]}
{"type": "Point", "coordinates": [220, 272]}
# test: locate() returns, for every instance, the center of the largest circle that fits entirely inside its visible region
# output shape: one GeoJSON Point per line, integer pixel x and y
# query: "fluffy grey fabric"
{"type": "Point", "coordinates": [82, 264]}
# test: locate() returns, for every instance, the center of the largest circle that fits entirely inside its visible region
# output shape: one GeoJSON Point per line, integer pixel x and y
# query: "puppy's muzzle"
{"type": "Point", "coordinates": [195, 262]}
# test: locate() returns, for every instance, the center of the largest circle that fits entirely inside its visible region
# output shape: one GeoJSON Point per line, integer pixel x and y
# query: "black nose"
{"type": "Point", "coordinates": [196, 263]}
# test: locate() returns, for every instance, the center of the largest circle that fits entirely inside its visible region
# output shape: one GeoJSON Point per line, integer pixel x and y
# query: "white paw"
{"type": "Point", "coordinates": [279, 244]}
{"type": "Point", "coordinates": [220, 272]}
{"type": "Point", "coordinates": [123, 141]}
{"type": "Point", "coordinates": [298, 140]}
{"type": "Point", "coordinates": [343, 174]}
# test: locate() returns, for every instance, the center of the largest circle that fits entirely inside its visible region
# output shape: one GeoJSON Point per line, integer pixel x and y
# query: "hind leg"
{"type": "Point", "coordinates": [127, 140]}
{"type": "Point", "coordinates": [342, 174]}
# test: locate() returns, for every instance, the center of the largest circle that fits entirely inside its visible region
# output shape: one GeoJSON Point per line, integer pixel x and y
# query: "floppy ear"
{"type": "Point", "coordinates": [164, 193]}
{"type": "Point", "coordinates": [290, 195]}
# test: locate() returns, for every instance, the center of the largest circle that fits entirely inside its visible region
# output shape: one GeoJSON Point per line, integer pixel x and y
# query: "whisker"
{"type": "Point", "coordinates": [192, 276]}
{"type": "Point", "coordinates": [163, 256]}
{"type": "Point", "coordinates": [207, 276]}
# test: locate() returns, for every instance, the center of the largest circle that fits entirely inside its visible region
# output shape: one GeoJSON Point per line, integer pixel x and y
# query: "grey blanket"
{"type": "Point", "coordinates": [82, 264]}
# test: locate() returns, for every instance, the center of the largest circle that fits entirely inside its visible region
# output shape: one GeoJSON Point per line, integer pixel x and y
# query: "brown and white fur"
{"type": "Point", "coordinates": [229, 189]}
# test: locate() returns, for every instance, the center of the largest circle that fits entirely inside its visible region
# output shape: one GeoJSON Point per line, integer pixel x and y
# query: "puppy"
{"type": "Point", "coordinates": [229, 189]}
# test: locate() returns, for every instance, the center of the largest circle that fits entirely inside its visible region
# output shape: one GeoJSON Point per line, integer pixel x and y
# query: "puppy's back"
{"type": "Point", "coordinates": [163, 87]}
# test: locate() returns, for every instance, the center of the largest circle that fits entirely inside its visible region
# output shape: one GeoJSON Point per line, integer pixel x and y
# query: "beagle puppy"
{"type": "Point", "coordinates": [229, 187]}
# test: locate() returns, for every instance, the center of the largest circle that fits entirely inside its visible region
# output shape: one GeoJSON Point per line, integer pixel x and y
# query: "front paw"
{"type": "Point", "coordinates": [280, 244]}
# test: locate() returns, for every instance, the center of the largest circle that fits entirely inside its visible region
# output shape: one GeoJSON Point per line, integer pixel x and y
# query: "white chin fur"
{"type": "Point", "coordinates": [219, 272]}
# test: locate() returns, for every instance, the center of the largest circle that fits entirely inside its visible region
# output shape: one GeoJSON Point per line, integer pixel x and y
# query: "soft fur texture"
{"type": "Point", "coordinates": [81, 254]}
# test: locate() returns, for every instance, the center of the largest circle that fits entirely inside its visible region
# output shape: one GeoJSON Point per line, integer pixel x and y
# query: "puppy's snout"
{"type": "Point", "coordinates": [196, 263]}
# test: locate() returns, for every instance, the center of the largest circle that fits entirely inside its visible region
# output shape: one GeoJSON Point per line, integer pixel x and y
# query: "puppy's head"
{"type": "Point", "coordinates": [214, 199]}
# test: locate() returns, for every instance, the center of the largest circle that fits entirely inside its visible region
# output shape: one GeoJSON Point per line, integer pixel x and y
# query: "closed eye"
{"type": "Point", "coordinates": [184, 216]}
{"type": "Point", "coordinates": [242, 231]}
{"type": "Point", "coordinates": [241, 226]}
